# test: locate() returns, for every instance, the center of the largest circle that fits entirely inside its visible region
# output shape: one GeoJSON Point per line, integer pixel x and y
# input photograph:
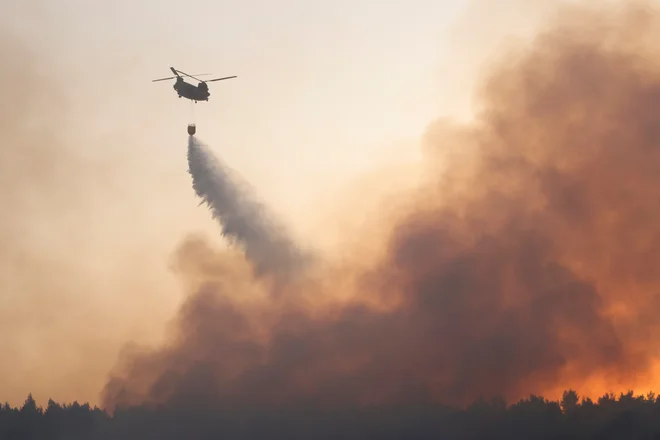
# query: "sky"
{"type": "Point", "coordinates": [324, 89]}
{"type": "Point", "coordinates": [327, 92]}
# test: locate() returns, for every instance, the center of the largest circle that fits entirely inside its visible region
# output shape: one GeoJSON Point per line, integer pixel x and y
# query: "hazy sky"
{"type": "Point", "coordinates": [324, 88]}
{"type": "Point", "coordinates": [325, 92]}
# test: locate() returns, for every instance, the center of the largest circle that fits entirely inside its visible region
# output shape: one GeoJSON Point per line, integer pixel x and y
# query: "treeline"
{"type": "Point", "coordinates": [610, 417]}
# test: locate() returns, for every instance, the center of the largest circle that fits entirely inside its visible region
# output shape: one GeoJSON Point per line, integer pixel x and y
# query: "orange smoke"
{"type": "Point", "coordinates": [529, 265]}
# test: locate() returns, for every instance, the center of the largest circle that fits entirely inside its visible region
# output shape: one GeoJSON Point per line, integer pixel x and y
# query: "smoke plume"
{"type": "Point", "coordinates": [529, 264]}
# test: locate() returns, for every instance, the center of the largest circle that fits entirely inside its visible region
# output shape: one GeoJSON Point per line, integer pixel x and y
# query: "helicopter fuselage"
{"type": "Point", "coordinates": [196, 93]}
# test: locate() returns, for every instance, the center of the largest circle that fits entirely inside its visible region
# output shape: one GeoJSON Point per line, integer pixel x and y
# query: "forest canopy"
{"type": "Point", "coordinates": [627, 416]}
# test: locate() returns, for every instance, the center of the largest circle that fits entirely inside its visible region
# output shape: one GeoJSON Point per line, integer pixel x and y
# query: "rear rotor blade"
{"type": "Point", "coordinates": [220, 79]}
{"type": "Point", "coordinates": [184, 73]}
{"type": "Point", "coordinates": [163, 79]}
{"type": "Point", "coordinates": [172, 77]}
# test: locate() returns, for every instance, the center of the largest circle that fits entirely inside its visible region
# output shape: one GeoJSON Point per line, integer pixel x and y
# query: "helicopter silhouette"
{"type": "Point", "coordinates": [199, 92]}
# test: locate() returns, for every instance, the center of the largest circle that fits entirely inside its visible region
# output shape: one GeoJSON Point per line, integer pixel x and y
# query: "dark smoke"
{"type": "Point", "coordinates": [529, 265]}
{"type": "Point", "coordinates": [243, 220]}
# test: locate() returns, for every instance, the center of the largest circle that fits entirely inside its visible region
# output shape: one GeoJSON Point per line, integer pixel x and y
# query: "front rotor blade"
{"type": "Point", "coordinates": [220, 79]}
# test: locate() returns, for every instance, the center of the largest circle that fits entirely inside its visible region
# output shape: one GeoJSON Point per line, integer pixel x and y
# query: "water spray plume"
{"type": "Point", "coordinates": [243, 220]}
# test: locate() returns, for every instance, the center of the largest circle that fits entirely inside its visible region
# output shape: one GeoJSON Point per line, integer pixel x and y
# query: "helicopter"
{"type": "Point", "coordinates": [200, 92]}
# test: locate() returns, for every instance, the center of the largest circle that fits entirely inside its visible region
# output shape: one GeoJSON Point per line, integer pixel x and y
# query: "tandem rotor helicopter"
{"type": "Point", "coordinates": [200, 92]}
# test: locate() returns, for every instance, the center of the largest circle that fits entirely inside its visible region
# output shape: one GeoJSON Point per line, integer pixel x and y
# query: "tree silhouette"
{"type": "Point", "coordinates": [570, 401]}
{"type": "Point", "coordinates": [627, 416]}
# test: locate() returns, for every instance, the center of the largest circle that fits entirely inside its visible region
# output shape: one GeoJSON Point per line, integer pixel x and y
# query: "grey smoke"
{"type": "Point", "coordinates": [243, 220]}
